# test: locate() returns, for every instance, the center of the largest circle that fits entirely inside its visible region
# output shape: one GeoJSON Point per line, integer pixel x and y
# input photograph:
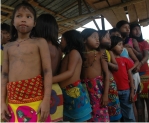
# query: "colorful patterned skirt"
{"type": "Point", "coordinates": [144, 76]}
{"type": "Point", "coordinates": [95, 90]}
{"type": "Point", "coordinates": [24, 98]}
{"type": "Point", "coordinates": [76, 103]}
{"type": "Point", "coordinates": [56, 105]}
{"type": "Point", "coordinates": [114, 103]}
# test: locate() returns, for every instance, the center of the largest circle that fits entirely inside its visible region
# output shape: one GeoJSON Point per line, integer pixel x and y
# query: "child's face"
{"type": "Point", "coordinates": [118, 48]}
{"type": "Point", "coordinates": [5, 36]}
{"type": "Point", "coordinates": [125, 29]}
{"type": "Point", "coordinates": [136, 31]}
{"type": "Point", "coordinates": [23, 20]}
{"type": "Point", "coordinates": [93, 41]}
{"type": "Point", "coordinates": [106, 41]}
{"type": "Point", "coordinates": [63, 43]}
{"type": "Point", "coordinates": [116, 34]}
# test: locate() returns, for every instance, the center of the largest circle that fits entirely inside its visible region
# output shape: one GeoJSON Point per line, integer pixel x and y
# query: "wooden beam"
{"type": "Point", "coordinates": [91, 16]}
{"type": "Point", "coordinates": [100, 11]}
{"type": "Point", "coordinates": [47, 10]}
{"type": "Point", "coordinates": [70, 6]}
{"type": "Point", "coordinates": [79, 7]}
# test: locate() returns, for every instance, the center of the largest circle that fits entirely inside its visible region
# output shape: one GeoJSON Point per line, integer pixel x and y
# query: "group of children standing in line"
{"type": "Point", "coordinates": [96, 80]}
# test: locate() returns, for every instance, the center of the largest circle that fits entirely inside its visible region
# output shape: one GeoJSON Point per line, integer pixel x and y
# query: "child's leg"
{"type": "Point", "coordinates": [147, 105]}
{"type": "Point", "coordinates": [135, 111]}
{"type": "Point", "coordinates": [126, 106]}
{"type": "Point", "coordinates": [140, 108]}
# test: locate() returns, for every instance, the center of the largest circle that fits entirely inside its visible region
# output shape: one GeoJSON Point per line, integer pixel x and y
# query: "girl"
{"type": "Point", "coordinates": [76, 104]}
{"type": "Point", "coordinates": [143, 69]}
{"type": "Point", "coordinates": [128, 53]}
{"type": "Point", "coordinates": [105, 43]}
{"type": "Point", "coordinates": [47, 28]}
{"type": "Point", "coordinates": [123, 79]}
{"type": "Point", "coordinates": [124, 28]}
{"type": "Point", "coordinates": [93, 68]}
{"type": "Point", "coordinates": [24, 60]}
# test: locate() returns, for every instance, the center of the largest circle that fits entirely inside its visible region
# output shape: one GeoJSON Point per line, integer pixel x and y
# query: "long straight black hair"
{"type": "Point", "coordinates": [47, 28]}
{"type": "Point", "coordinates": [74, 40]}
{"type": "Point", "coordinates": [13, 32]}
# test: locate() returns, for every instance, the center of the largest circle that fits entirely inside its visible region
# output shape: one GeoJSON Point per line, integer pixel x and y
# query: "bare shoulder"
{"type": "Point", "coordinates": [9, 44]}
{"type": "Point", "coordinates": [74, 53]}
{"type": "Point", "coordinates": [39, 41]}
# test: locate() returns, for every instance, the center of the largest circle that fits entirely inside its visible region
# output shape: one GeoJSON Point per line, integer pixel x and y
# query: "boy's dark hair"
{"type": "Point", "coordinates": [5, 27]}
{"type": "Point", "coordinates": [132, 26]}
{"type": "Point", "coordinates": [121, 23]}
{"type": "Point", "coordinates": [14, 34]}
{"type": "Point", "coordinates": [46, 27]}
{"type": "Point", "coordinates": [101, 34]}
{"type": "Point", "coordinates": [115, 40]}
{"type": "Point", "coordinates": [114, 30]}
{"type": "Point", "coordinates": [87, 33]}
{"type": "Point", "coordinates": [74, 40]}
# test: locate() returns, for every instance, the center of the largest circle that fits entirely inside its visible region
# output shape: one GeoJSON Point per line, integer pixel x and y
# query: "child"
{"type": "Point", "coordinates": [47, 28]}
{"type": "Point", "coordinates": [5, 37]}
{"type": "Point", "coordinates": [94, 66]}
{"type": "Point", "coordinates": [115, 32]}
{"type": "Point", "coordinates": [124, 28]}
{"type": "Point", "coordinates": [24, 59]}
{"type": "Point", "coordinates": [143, 69]}
{"type": "Point", "coordinates": [76, 104]}
{"type": "Point", "coordinates": [128, 53]}
{"type": "Point", "coordinates": [124, 80]}
{"type": "Point", "coordinates": [105, 43]}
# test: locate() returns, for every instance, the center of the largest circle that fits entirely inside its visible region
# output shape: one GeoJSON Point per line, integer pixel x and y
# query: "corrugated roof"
{"type": "Point", "coordinates": [68, 16]}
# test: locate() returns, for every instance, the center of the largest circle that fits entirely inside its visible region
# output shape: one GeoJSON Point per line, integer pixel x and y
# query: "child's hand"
{"type": "Point", "coordinates": [44, 110]}
{"type": "Point", "coordinates": [5, 114]}
{"type": "Point", "coordinates": [104, 100]}
{"type": "Point", "coordinates": [104, 56]}
{"type": "Point", "coordinates": [132, 95]}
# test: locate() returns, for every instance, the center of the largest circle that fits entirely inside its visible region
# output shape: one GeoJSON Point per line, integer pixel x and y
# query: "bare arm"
{"type": "Point", "coordinates": [144, 60]}
{"type": "Point", "coordinates": [71, 67]}
{"type": "Point", "coordinates": [131, 85]}
{"type": "Point", "coordinates": [133, 57]}
{"type": "Point", "coordinates": [5, 73]}
{"type": "Point", "coordinates": [105, 81]}
{"type": "Point", "coordinates": [136, 49]}
{"type": "Point", "coordinates": [113, 64]}
{"type": "Point", "coordinates": [47, 71]}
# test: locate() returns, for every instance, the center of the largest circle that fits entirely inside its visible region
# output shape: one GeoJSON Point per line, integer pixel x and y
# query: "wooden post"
{"type": "Point", "coordinates": [102, 22]}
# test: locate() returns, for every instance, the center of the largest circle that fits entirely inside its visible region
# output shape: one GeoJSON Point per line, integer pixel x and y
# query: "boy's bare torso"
{"type": "Point", "coordinates": [88, 71]}
{"type": "Point", "coordinates": [24, 60]}
{"type": "Point", "coordinates": [76, 75]}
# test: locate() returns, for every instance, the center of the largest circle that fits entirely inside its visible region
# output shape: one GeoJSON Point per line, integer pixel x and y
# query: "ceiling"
{"type": "Point", "coordinates": [72, 14]}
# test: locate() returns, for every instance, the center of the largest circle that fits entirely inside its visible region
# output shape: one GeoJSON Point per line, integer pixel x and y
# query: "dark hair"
{"type": "Point", "coordinates": [115, 40]}
{"type": "Point", "coordinates": [14, 34]}
{"type": "Point", "coordinates": [5, 27]}
{"type": "Point", "coordinates": [46, 27]}
{"type": "Point", "coordinates": [114, 30]}
{"type": "Point", "coordinates": [87, 33]}
{"type": "Point", "coordinates": [132, 26]}
{"type": "Point", "coordinates": [74, 40]}
{"type": "Point", "coordinates": [101, 34]}
{"type": "Point", "coordinates": [121, 23]}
